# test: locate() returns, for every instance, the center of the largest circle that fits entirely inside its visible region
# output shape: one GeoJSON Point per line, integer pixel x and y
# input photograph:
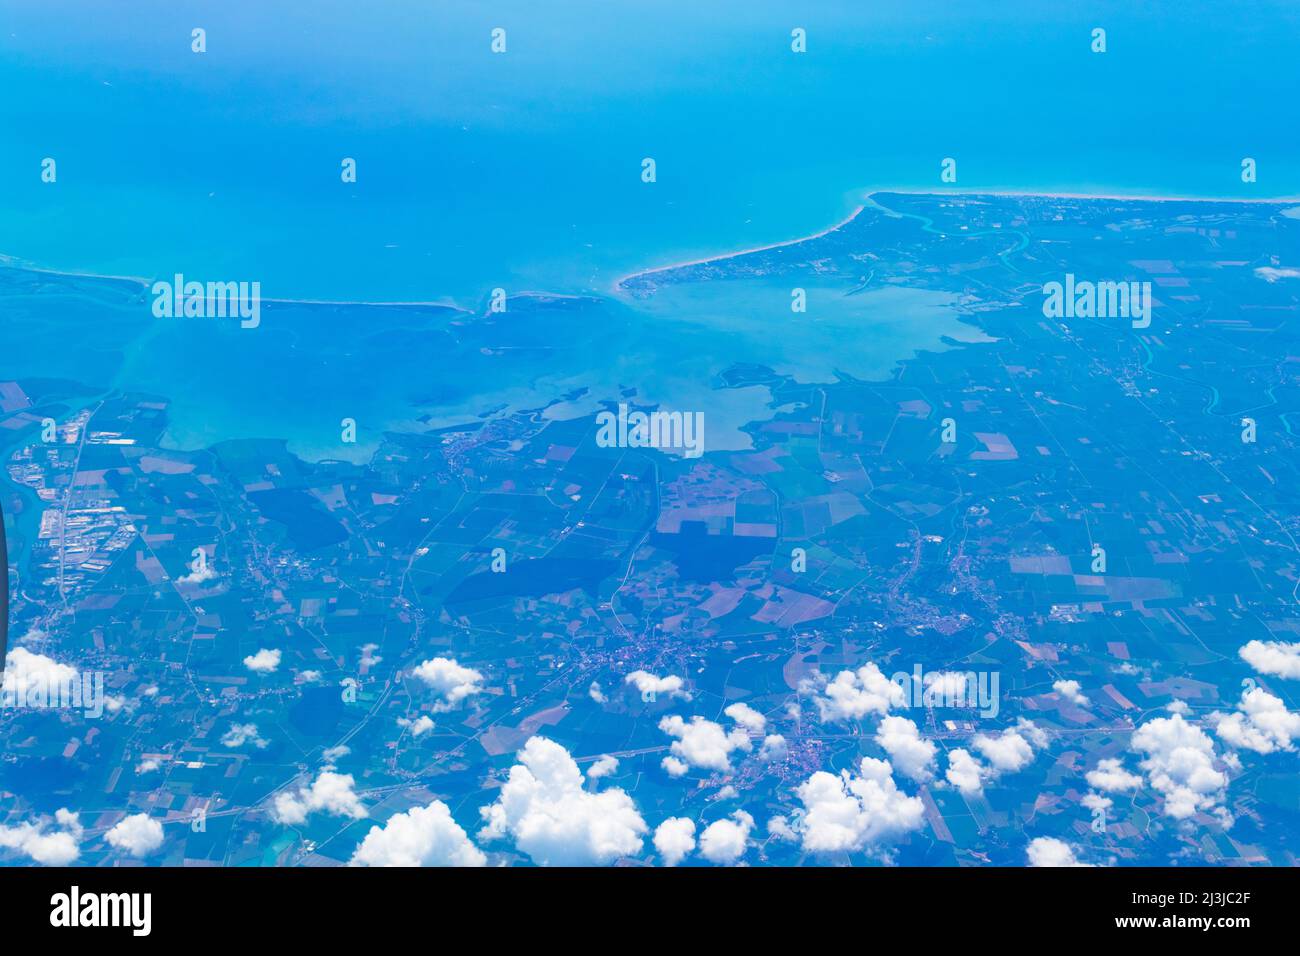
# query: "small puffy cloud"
{"type": "Point", "coordinates": [148, 765]}
{"type": "Point", "coordinates": [596, 694]}
{"type": "Point", "coordinates": [780, 829]}
{"type": "Point", "coordinates": [674, 840]}
{"type": "Point", "coordinates": [1008, 752]}
{"type": "Point", "coordinates": [309, 676]}
{"type": "Point", "coordinates": [1276, 658]}
{"type": "Point", "coordinates": [774, 748]}
{"type": "Point", "coordinates": [138, 834]}
{"type": "Point", "coordinates": [419, 726]}
{"type": "Point", "coordinates": [1111, 777]}
{"type": "Point", "coordinates": [1095, 801]}
{"type": "Point", "coordinates": [330, 792]}
{"type": "Point", "coordinates": [1179, 762]}
{"type": "Point", "coordinates": [240, 734]}
{"type": "Point", "coordinates": [545, 810]}
{"type": "Point", "coordinates": [965, 772]}
{"type": "Point", "coordinates": [855, 694]}
{"type": "Point", "coordinates": [1049, 851]}
{"type": "Point", "coordinates": [747, 717]}
{"type": "Point", "coordinates": [34, 635]}
{"type": "Point", "coordinates": [1069, 689]}
{"type": "Point", "coordinates": [450, 681]}
{"type": "Point", "coordinates": [49, 845]}
{"type": "Point", "coordinates": [856, 812]}
{"type": "Point", "coordinates": [1178, 707]}
{"type": "Point", "coordinates": [702, 743]}
{"type": "Point", "coordinates": [1013, 749]}
{"type": "Point", "coordinates": [337, 752]}
{"type": "Point", "coordinates": [265, 661]}
{"type": "Point", "coordinates": [724, 841]}
{"type": "Point", "coordinates": [602, 767]}
{"type": "Point", "coordinates": [675, 767]}
{"type": "Point", "coordinates": [1261, 723]}
{"type": "Point", "coordinates": [655, 687]}
{"type": "Point", "coordinates": [912, 754]}
{"type": "Point", "coordinates": [422, 836]}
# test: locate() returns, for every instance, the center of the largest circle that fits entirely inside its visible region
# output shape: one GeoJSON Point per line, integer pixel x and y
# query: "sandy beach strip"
{"type": "Point", "coordinates": [871, 195]}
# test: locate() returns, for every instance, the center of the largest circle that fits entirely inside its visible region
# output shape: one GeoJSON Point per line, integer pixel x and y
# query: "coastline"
{"type": "Point", "coordinates": [869, 198]}
{"type": "Point", "coordinates": [615, 286]}
{"type": "Point", "coordinates": [723, 257]}
{"type": "Point", "coordinates": [13, 262]}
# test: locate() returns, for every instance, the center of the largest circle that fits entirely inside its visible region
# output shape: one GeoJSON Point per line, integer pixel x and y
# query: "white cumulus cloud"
{"type": "Point", "coordinates": [330, 792]}
{"type": "Point", "coordinates": [419, 726]}
{"type": "Point", "coordinates": [1179, 762]}
{"type": "Point", "coordinates": [747, 717]}
{"type": "Point", "coordinates": [780, 829]}
{"type": "Point", "coordinates": [1095, 801]}
{"type": "Point", "coordinates": [1261, 723]}
{"type": "Point", "coordinates": [650, 685]}
{"type": "Point", "coordinates": [422, 836]}
{"type": "Point", "coordinates": [855, 694]}
{"type": "Point", "coordinates": [1069, 689]}
{"type": "Point", "coordinates": [545, 810]}
{"type": "Point", "coordinates": [675, 839]}
{"type": "Point", "coordinates": [49, 845]}
{"type": "Point", "coordinates": [34, 675]}
{"type": "Point", "coordinates": [139, 834]}
{"type": "Point", "coordinates": [675, 767]}
{"type": "Point", "coordinates": [1008, 752]}
{"type": "Point", "coordinates": [1049, 851]}
{"type": "Point", "coordinates": [1111, 777]}
{"type": "Point", "coordinates": [1277, 658]}
{"type": "Point", "coordinates": [911, 753]}
{"type": "Point", "coordinates": [774, 748]}
{"type": "Point", "coordinates": [702, 743]}
{"type": "Point", "coordinates": [240, 734]}
{"type": "Point", "coordinates": [965, 772]}
{"type": "Point", "coordinates": [1013, 749]}
{"type": "Point", "coordinates": [724, 841]}
{"type": "Point", "coordinates": [856, 812]}
{"type": "Point", "coordinates": [450, 681]}
{"type": "Point", "coordinates": [265, 661]}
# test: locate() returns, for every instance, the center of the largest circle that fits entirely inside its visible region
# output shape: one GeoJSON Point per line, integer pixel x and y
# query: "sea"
{"type": "Point", "coordinates": [522, 170]}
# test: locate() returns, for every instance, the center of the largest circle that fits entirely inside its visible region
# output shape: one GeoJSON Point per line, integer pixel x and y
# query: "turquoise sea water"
{"type": "Point", "coordinates": [522, 171]}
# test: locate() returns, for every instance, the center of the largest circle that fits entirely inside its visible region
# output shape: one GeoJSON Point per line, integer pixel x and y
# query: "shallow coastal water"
{"type": "Point", "coordinates": [306, 367]}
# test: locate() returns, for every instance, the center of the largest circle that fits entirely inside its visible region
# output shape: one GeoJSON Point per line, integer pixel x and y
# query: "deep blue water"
{"type": "Point", "coordinates": [522, 170]}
